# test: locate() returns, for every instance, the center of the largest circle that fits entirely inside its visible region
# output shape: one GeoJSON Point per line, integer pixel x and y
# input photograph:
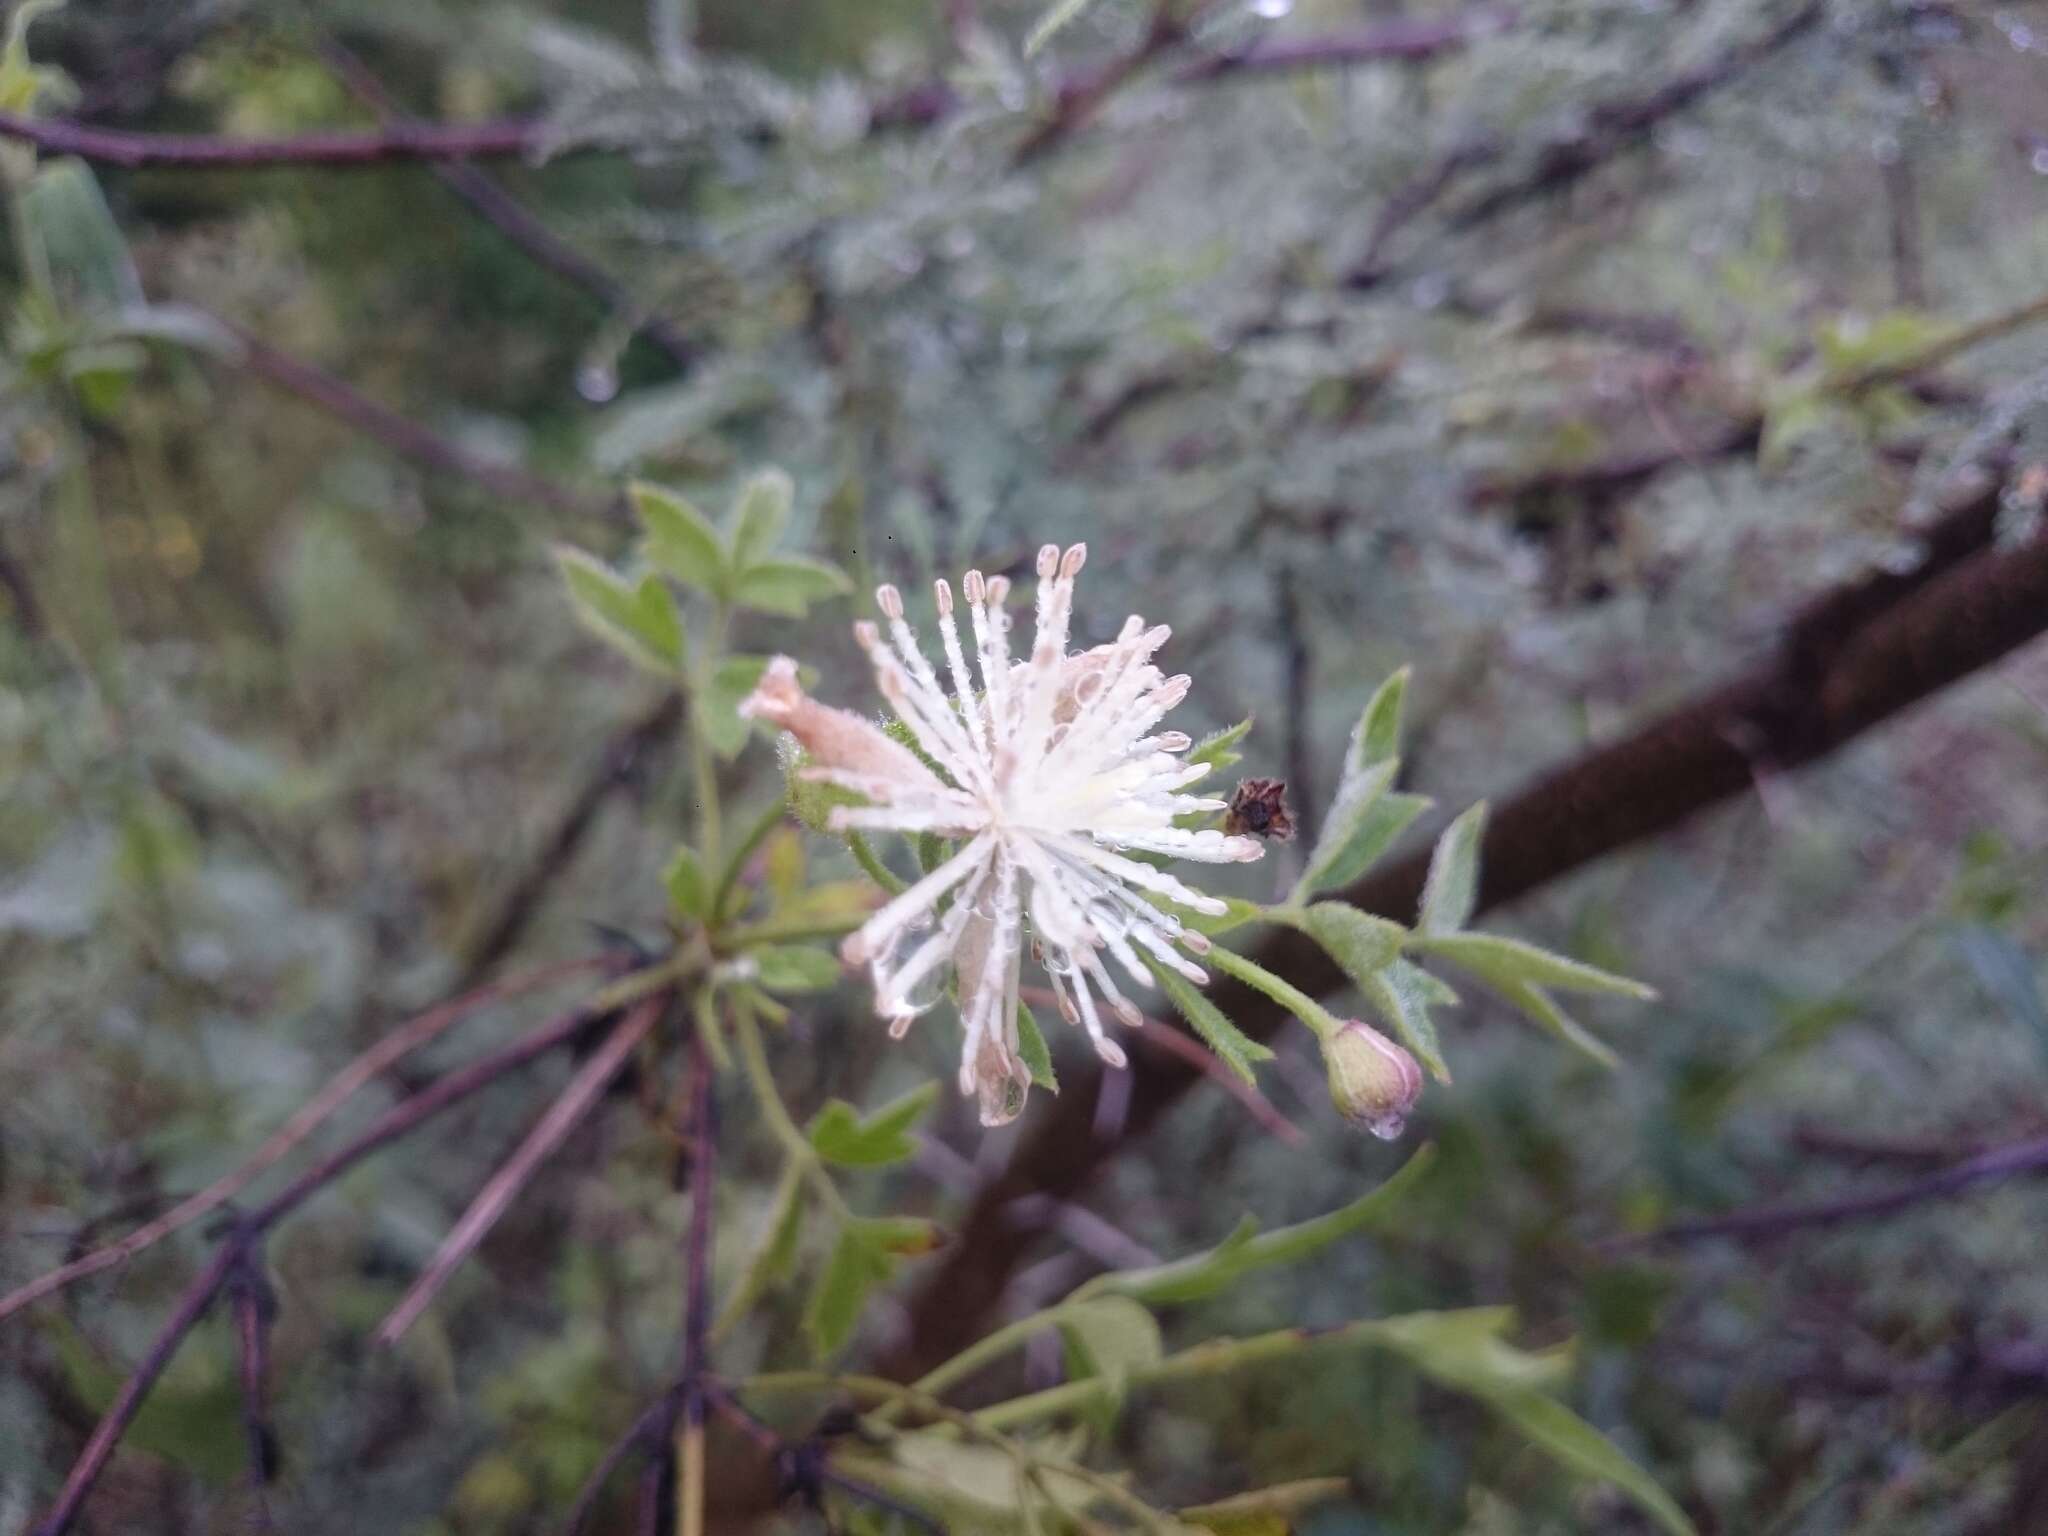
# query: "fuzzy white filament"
{"type": "Point", "coordinates": [1053, 776]}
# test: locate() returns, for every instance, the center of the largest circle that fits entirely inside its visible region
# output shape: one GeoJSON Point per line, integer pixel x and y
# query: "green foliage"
{"type": "Point", "coordinates": [1367, 815]}
{"type": "Point", "coordinates": [681, 543]}
{"type": "Point", "coordinates": [637, 616]}
{"type": "Point", "coordinates": [1464, 1350]}
{"type": "Point", "coordinates": [689, 891]}
{"type": "Point", "coordinates": [1247, 1249]}
{"type": "Point", "coordinates": [843, 1136]}
{"type": "Point", "coordinates": [1219, 748]}
{"type": "Point", "coordinates": [1452, 889]}
{"type": "Point", "coordinates": [1233, 1047]}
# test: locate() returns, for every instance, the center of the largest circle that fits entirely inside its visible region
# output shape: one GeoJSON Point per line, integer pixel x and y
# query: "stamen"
{"type": "Point", "coordinates": [890, 601]}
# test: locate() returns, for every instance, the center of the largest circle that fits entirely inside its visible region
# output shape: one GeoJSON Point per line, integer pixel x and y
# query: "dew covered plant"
{"type": "Point", "coordinates": [1039, 801]}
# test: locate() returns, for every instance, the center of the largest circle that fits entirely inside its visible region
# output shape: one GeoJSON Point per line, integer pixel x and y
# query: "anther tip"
{"type": "Point", "coordinates": [1048, 561]}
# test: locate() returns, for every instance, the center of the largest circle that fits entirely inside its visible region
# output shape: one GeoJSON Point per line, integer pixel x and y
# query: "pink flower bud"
{"type": "Point", "coordinates": [1373, 1082]}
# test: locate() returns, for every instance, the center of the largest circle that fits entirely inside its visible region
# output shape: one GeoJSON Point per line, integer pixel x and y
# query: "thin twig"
{"type": "Point", "coordinates": [1610, 127]}
{"type": "Point", "coordinates": [646, 1430]}
{"type": "Point", "coordinates": [503, 1187]}
{"type": "Point", "coordinates": [332, 148]}
{"type": "Point", "coordinates": [254, 1308]}
{"type": "Point", "coordinates": [697, 1280]}
{"type": "Point", "coordinates": [192, 1306]}
{"type": "Point", "coordinates": [396, 1122]}
{"type": "Point", "coordinates": [402, 434]}
{"type": "Point", "coordinates": [315, 1112]}
{"type": "Point", "coordinates": [505, 213]}
{"type": "Point", "coordinates": [1078, 99]}
{"type": "Point", "coordinates": [1401, 39]}
{"type": "Point", "coordinates": [1991, 1167]}
{"type": "Point", "coordinates": [814, 1463]}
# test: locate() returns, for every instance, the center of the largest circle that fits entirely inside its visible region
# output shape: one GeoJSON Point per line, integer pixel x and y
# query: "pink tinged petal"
{"type": "Point", "coordinates": [833, 738]}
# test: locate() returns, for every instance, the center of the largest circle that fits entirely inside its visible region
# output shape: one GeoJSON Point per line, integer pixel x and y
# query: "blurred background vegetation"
{"type": "Point", "coordinates": [1562, 350]}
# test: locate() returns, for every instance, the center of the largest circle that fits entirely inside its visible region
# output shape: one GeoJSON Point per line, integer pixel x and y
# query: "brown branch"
{"type": "Point", "coordinates": [332, 148]}
{"type": "Point", "coordinates": [506, 214]}
{"type": "Point", "coordinates": [1857, 656]}
{"type": "Point", "coordinates": [1080, 97]}
{"type": "Point", "coordinates": [1404, 39]}
{"type": "Point", "coordinates": [1991, 1167]}
{"type": "Point", "coordinates": [399, 140]}
{"type": "Point", "coordinates": [254, 1309]}
{"type": "Point", "coordinates": [1609, 128]}
{"type": "Point", "coordinates": [309, 1117]}
{"type": "Point", "coordinates": [504, 1186]}
{"type": "Point", "coordinates": [399, 1121]}
{"type": "Point", "coordinates": [403, 435]}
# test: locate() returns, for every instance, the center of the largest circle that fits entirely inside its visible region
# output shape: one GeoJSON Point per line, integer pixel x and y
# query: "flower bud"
{"type": "Point", "coordinates": [1373, 1082]}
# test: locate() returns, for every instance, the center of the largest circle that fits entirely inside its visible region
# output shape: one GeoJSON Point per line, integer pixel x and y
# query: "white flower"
{"type": "Point", "coordinates": [1054, 773]}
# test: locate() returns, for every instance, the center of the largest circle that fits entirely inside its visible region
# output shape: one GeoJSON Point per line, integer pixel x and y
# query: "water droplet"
{"type": "Point", "coordinates": [1272, 10]}
{"type": "Point", "coordinates": [2039, 161]}
{"type": "Point", "coordinates": [1430, 290]}
{"type": "Point", "coordinates": [597, 382]}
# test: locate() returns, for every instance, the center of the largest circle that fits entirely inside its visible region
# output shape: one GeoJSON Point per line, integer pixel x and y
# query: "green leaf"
{"type": "Point", "coordinates": [1377, 737]}
{"type": "Point", "coordinates": [759, 516]}
{"type": "Point", "coordinates": [1292, 998]}
{"type": "Point", "coordinates": [1402, 995]}
{"type": "Point", "coordinates": [1244, 1250]}
{"type": "Point", "coordinates": [720, 719]}
{"type": "Point", "coordinates": [1452, 889]}
{"type": "Point", "coordinates": [680, 540]}
{"type": "Point", "coordinates": [1372, 835]}
{"type": "Point", "coordinates": [1501, 961]}
{"type": "Point", "coordinates": [795, 968]}
{"type": "Point", "coordinates": [1232, 1046]}
{"type": "Point", "coordinates": [1032, 1051]}
{"type": "Point", "coordinates": [1464, 1351]}
{"type": "Point", "coordinates": [1361, 944]}
{"type": "Point", "coordinates": [639, 619]}
{"type": "Point", "coordinates": [789, 586]}
{"type": "Point", "coordinates": [1336, 853]}
{"type": "Point", "coordinates": [1218, 749]}
{"type": "Point", "coordinates": [1110, 1335]}
{"type": "Point", "coordinates": [860, 1261]}
{"type": "Point", "coordinates": [1056, 16]}
{"type": "Point", "coordinates": [842, 1136]}
{"type": "Point", "coordinates": [689, 889]}
{"type": "Point", "coordinates": [75, 238]}
{"type": "Point", "coordinates": [1535, 1003]}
